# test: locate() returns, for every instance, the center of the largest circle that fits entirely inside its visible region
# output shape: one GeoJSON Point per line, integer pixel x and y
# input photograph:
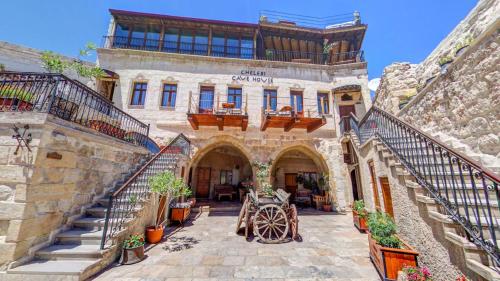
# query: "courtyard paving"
{"type": "Point", "coordinates": [207, 248]}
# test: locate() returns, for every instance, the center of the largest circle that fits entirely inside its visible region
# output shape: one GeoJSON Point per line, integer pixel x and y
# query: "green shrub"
{"type": "Point", "coordinates": [445, 59]}
{"type": "Point", "coordinates": [8, 92]}
{"type": "Point", "coordinates": [383, 230]}
{"type": "Point", "coordinates": [359, 207]}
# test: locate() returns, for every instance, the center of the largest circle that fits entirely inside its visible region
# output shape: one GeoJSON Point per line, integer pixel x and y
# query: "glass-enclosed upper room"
{"type": "Point", "coordinates": [270, 39]}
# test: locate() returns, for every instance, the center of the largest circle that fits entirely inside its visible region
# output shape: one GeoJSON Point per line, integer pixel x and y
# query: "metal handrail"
{"type": "Point", "coordinates": [123, 201]}
{"type": "Point", "coordinates": [467, 191]}
{"type": "Point", "coordinates": [70, 100]}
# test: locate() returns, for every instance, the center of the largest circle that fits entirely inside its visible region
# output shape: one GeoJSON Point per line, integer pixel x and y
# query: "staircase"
{"type": "Point", "coordinates": [460, 196]}
{"type": "Point", "coordinates": [92, 241]}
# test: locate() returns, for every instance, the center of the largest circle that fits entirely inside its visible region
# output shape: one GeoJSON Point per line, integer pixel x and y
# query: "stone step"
{"type": "Point", "coordinates": [487, 272]}
{"type": "Point", "coordinates": [54, 268]}
{"type": "Point", "coordinates": [100, 212]}
{"type": "Point", "coordinates": [70, 251]}
{"type": "Point", "coordinates": [80, 236]}
{"type": "Point", "coordinates": [92, 223]}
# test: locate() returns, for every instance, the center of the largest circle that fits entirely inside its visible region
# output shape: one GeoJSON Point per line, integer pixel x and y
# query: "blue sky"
{"type": "Point", "coordinates": [398, 30]}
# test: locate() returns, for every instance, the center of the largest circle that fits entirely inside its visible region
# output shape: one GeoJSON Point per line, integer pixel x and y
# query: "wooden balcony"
{"type": "Point", "coordinates": [287, 119]}
{"type": "Point", "coordinates": [220, 114]}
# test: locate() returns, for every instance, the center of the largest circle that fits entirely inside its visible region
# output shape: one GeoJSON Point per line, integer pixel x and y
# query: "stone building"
{"type": "Point", "coordinates": [271, 91]}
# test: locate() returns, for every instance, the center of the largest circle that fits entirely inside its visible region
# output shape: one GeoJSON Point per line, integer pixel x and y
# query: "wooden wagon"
{"type": "Point", "coordinates": [272, 219]}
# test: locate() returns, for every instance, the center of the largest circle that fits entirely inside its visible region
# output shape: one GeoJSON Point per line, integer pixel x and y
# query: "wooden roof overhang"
{"type": "Point", "coordinates": [353, 34]}
{"type": "Point", "coordinates": [292, 122]}
{"type": "Point", "coordinates": [182, 22]}
{"type": "Point", "coordinates": [220, 120]}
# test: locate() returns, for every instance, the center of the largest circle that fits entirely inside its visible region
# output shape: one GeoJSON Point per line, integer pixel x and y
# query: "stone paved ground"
{"type": "Point", "coordinates": [208, 249]}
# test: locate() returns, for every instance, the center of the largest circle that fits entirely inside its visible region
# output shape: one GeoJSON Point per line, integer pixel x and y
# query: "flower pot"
{"type": "Point", "coordinates": [180, 212]}
{"type": "Point", "coordinates": [133, 255]}
{"type": "Point", "coordinates": [154, 235]}
{"type": "Point", "coordinates": [14, 104]}
{"type": "Point", "coordinates": [359, 222]}
{"type": "Point", "coordinates": [389, 261]}
{"type": "Point", "coordinates": [327, 207]}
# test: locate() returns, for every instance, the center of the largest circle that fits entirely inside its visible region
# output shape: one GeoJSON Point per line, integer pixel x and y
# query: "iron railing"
{"type": "Point", "coordinates": [70, 100]}
{"type": "Point", "coordinates": [335, 21]}
{"type": "Point", "coordinates": [125, 200]}
{"type": "Point", "coordinates": [466, 191]}
{"type": "Point", "coordinates": [313, 57]}
{"type": "Point", "coordinates": [203, 49]}
{"type": "Point", "coordinates": [210, 103]}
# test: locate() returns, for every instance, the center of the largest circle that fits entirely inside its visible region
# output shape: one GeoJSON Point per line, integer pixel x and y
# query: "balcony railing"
{"type": "Point", "coordinates": [314, 58]}
{"type": "Point", "coordinates": [231, 52]}
{"type": "Point", "coordinates": [218, 105]}
{"type": "Point", "coordinates": [70, 100]}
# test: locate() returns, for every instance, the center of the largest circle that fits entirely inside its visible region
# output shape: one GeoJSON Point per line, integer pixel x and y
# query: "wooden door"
{"type": "Point", "coordinates": [345, 110]}
{"type": "Point", "coordinates": [386, 193]}
{"type": "Point", "coordinates": [374, 186]}
{"type": "Point", "coordinates": [291, 184]}
{"type": "Point", "coordinates": [203, 183]}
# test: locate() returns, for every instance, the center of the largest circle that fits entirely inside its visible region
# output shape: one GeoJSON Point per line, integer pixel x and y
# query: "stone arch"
{"type": "Point", "coordinates": [307, 150]}
{"type": "Point", "coordinates": [204, 150]}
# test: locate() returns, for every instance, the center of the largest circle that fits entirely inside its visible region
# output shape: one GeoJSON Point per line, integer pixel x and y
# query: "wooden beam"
{"type": "Point", "coordinates": [193, 122]}
{"type": "Point", "coordinates": [244, 124]}
{"type": "Point", "coordinates": [315, 126]}
{"type": "Point", "coordinates": [220, 123]}
{"type": "Point", "coordinates": [290, 124]}
{"type": "Point", "coordinates": [265, 123]}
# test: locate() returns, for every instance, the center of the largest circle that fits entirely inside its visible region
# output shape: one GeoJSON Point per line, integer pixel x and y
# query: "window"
{"type": "Point", "coordinates": [168, 95]}
{"type": "Point", "coordinates": [186, 42]}
{"type": "Point", "coordinates": [246, 48]}
{"type": "Point", "coordinates": [226, 177]}
{"type": "Point", "coordinates": [153, 38]}
{"type": "Point", "coordinates": [323, 107]}
{"type": "Point", "coordinates": [270, 99]}
{"type": "Point", "coordinates": [201, 43]}
{"type": "Point", "coordinates": [234, 96]}
{"type": "Point", "coordinates": [170, 40]}
{"type": "Point", "coordinates": [121, 36]}
{"type": "Point", "coordinates": [232, 47]}
{"type": "Point", "coordinates": [138, 93]}
{"type": "Point", "coordinates": [137, 40]}
{"type": "Point", "coordinates": [218, 45]}
{"type": "Point", "coordinates": [296, 101]}
{"type": "Point", "coordinates": [206, 99]}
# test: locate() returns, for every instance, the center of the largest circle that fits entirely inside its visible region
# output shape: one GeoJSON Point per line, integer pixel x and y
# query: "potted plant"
{"type": "Point", "coordinates": [17, 99]}
{"type": "Point", "coordinates": [267, 189]}
{"type": "Point", "coordinates": [444, 62]}
{"type": "Point", "coordinates": [324, 187]}
{"type": "Point", "coordinates": [165, 185]}
{"type": "Point", "coordinates": [269, 54]}
{"type": "Point", "coordinates": [359, 215]}
{"type": "Point", "coordinates": [388, 252]}
{"type": "Point", "coordinates": [133, 249]}
{"type": "Point", "coordinates": [413, 273]}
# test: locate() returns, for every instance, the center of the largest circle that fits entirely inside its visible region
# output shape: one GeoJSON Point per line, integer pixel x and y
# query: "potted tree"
{"type": "Point", "coordinates": [359, 215]}
{"type": "Point", "coordinates": [388, 252]}
{"type": "Point", "coordinates": [324, 186]}
{"type": "Point", "coordinates": [165, 185]}
{"type": "Point", "coordinates": [133, 249]}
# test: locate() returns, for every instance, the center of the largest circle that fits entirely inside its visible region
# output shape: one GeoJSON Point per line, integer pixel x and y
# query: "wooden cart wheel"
{"type": "Point", "coordinates": [294, 221]}
{"type": "Point", "coordinates": [271, 224]}
{"type": "Point", "coordinates": [242, 215]}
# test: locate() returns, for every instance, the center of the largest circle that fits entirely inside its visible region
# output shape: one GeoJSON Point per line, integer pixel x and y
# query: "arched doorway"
{"type": "Point", "coordinates": [298, 170]}
{"type": "Point", "coordinates": [217, 172]}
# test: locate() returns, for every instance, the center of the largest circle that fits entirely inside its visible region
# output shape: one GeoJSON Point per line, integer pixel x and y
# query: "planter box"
{"type": "Point", "coordinates": [180, 213]}
{"type": "Point", "coordinates": [107, 129]}
{"type": "Point", "coordinates": [360, 223]}
{"type": "Point", "coordinates": [389, 261]}
{"type": "Point", "coordinates": [131, 256]}
{"type": "Point", "coordinates": [8, 104]}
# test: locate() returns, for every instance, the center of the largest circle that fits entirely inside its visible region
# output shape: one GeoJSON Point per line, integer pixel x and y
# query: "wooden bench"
{"type": "Point", "coordinates": [224, 190]}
